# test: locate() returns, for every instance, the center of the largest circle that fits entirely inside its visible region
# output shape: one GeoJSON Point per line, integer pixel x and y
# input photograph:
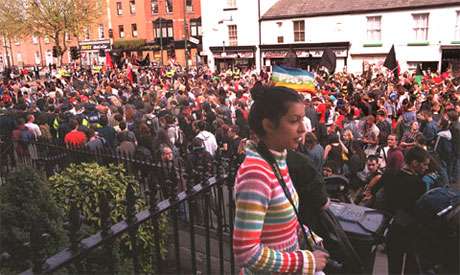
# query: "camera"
{"type": "Point", "coordinates": [332, 265]}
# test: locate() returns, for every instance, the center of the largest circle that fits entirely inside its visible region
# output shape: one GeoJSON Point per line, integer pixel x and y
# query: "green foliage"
{"type": "Point", "coordinates": [129, 44]}
{"type": "Point", "coordinates": [85, 182]}
{"type": "Point", "coordinates": [26, 204]}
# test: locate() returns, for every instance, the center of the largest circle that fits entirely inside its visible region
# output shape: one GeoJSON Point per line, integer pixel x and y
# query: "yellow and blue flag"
{"type": "Point", "coordinates": [294, 78]}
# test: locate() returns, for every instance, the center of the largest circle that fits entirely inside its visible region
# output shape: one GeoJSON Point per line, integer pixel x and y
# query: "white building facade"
{"type": "Point", "coordinates": [428, 35]}
{"type": "Point", "coordinates": [231, 32]}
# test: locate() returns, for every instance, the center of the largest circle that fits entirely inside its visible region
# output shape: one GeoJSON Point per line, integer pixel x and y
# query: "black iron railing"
{"type": "Point", "coordinates": [200, 216]}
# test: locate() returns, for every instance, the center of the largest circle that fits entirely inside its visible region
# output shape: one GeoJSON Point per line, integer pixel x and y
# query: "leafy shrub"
{"type": "Point", "coordinates": [85, 182]}
{"type": "Point", "coordinates": [26, 206]}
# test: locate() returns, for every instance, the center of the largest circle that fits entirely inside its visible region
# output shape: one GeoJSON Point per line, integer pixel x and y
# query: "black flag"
{"type": "Point", "coordinates": [390, 60]}
{"type": "Point", "coordinates": [391, 63]}
{"type": "Point", "coordinates": [419, 70]}
{"type": "Point", "coordinates": [328, 60]}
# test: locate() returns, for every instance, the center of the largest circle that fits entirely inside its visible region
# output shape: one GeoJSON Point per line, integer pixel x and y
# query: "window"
{"type": "Point", "coordinates": [19, 57]}
{"type": "Point", "coordinates": [169, 6]}
{"type": "Point", "coordinates": [34, 39]}
{"type": "Point", "coordinates": [231, 4]}
{"type": "Point", "coordinates": [232, 35]}
{"type": "Point", "coordinates": [99, 7]}
{"type": "Point", "coordinates": [374, 30]}
{"type": "Point", "coordinates": [17, 41]}
{"type": "Point", "coordinates": [195, 28]}
{"type": "Point", "coordinates": [457, 27]}
{"type": "Point", "coordinates": [134, 30]}
{"type": "Point", "coordinates": [119, 8]}
{"type": "Point", "coordinates": [100, 31]}
{"type": "Point", "coordinates": [154, 6]}
{"type": "Point", "coordinates": [163, 28]}
{"type": "Point", "coordinates": [132, 7]}
{"type": "Point", "coordinates": [67, 36]}
{"type": "Point", "coordinates": [46, 39]}
{"type": "Point", "coordinates": [280, 39]}
{"type": "Point", "coordinates": [86, 33]}
{"type": "Point", "coordinates": [421, 26]}
{"type": "Point", "coordinates": [299, 30]}
{"type": "Point", "coordinates": [37, 57]}
{"type": "Point", "coordinates": [121, 31]}
{"type": "Point", "coordinates": [189, 5]}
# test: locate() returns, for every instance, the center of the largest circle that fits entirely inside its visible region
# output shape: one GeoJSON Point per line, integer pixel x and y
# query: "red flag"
{"type": "Point", "coordinates": [108, 61]}
{"type": "Point", "coordinates": [130, 75]}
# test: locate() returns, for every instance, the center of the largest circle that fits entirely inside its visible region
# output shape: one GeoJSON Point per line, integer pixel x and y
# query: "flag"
{"type": "Point", "coordinates": [108, 61]}
{"type": "Point", "coordinates": [328, 60]}
{"type": "Point", "coordinates": [296, 79]}
{"type": "Point", "coordinates": [130, 75]}
{"type": "Point", "coordinates": [390, 60]}
{"type": "Point", "coordinates": [418, 75]}
{"type": "Point", "coordinates": [391, 63]}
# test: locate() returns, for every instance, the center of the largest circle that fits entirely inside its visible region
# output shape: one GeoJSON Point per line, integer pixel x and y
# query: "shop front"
{"type": "Point", "coordinates": [308, 55]}
{"type": "Point", "coordinates": [231, 57]}
{"type": "Point", "coordinates": [451, 59]}
{"type": "Point", "coordinates": [90, 51]}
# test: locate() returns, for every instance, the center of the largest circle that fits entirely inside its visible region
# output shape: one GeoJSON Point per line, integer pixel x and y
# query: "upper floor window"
{"type": "Point", "coordinates": [299, 30]}
{"type": "Point", "coordinates": [421, 26]}
{"type": "Point", "coordinates": [86, 33]}
{"type": "Point", "coordinates": [231, 3]}
{"type": "Point", "coordinates": [374, 28]}
{"type": "Point", "coordinates": [163, 29]}
{"type": "Point", "coordinates": [134, 30]}
{"type": "Point", "coordinates": [34, 39]}
{"type": "Point", "coordinates": [232, 35]}
{"type": "Point", "coordinates": [154, 4]}
{"type": "Point", "coordinates": [100, 31]}
{"type": "Point", "coordinates": [189, 5]}
{"type": "Point", "coordinates": [132, 7]}
{"type": "Point", "coordinates": [169, 6]}
{"type": "Point", "coordinates": [195, 28]}
{"type": "Point", "coordinates": [121, 31]}
{"type": "Point", "coordinates": [119, 8]}
{"type": "Point", "coordinates": [457, 27]}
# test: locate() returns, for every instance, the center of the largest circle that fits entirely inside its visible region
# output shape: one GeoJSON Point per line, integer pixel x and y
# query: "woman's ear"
{"type": "Point", "coordinates": [268, 126]}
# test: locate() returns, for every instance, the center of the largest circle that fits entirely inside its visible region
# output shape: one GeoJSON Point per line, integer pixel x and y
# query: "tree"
{"type": "Point", "coordinates": [27, 208]}
{"type": "Point", "coordinates": [53, 18]}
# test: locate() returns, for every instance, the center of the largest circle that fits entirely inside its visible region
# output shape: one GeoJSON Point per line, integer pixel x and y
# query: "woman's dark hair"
{"type": "Point", "coordinates": [270, 103]}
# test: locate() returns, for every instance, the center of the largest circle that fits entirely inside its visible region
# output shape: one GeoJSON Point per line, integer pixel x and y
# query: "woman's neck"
{"type": "Point", "coordinates": [272, 145]}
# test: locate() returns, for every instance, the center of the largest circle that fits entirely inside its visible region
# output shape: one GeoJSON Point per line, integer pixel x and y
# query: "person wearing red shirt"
{"type": "Point", "coordinates": [75, 138]}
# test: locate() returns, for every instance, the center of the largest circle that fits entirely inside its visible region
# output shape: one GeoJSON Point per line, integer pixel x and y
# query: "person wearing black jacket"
{"type": "Point", "coordinates": [310, 186]}
{"type": "Point", "coordinates": [402, 189]}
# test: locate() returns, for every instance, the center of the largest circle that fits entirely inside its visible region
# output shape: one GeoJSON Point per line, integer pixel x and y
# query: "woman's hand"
{"type": "Point", "coordinates": [321, 258]}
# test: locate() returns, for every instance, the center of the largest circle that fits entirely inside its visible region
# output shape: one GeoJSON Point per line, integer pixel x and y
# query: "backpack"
{"type": "Point", "coordinates": [26, 136]}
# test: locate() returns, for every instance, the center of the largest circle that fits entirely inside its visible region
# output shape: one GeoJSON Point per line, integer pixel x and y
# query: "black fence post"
{"type": "Point", "coordinates": [105, 209]}
{"type": "Point", "coordinates": [131, 219]}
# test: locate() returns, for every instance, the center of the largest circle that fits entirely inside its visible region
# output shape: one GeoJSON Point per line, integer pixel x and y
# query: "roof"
{"type": "Point", "coordinates": [284, 9]}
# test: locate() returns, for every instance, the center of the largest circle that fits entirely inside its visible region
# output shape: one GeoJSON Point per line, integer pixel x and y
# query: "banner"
{"type": "Point", "coordinates": [296, 79]}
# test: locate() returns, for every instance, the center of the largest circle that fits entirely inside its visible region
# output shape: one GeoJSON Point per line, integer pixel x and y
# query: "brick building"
{"type": "Point", "coordinates": [138, 27]}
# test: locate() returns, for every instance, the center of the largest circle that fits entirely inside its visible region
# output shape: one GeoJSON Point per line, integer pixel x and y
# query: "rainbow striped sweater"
{"type": "Point", "coordinates": [265, 236]}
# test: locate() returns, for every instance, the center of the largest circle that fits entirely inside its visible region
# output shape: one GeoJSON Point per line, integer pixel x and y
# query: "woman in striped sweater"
{"type": "Point", "coordinates": [266, 232]}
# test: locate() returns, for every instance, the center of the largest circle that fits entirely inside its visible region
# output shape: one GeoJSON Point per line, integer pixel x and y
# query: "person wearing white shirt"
{"type": "Point", "coordinates": [208, 138]}
{"type": "Point", "coordinates": [33, 127]}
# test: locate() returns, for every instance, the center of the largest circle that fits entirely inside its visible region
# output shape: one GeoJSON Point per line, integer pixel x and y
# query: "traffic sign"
{"type": "Point", "coordinates": [194, 40]}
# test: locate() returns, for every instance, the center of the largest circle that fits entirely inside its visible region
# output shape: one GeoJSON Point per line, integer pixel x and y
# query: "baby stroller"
{"type": "Point", "coordinates": [438, 217]}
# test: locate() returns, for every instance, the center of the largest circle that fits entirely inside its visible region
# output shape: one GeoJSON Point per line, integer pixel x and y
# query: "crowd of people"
{"type": "Point", "coordinates": [372, 128]}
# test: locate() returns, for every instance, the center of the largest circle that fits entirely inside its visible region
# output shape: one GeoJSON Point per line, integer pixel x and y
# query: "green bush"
{"type": "Point", "coordinates": [85, 182]}
{"type": "Point", "coordinates": [26, 206]}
